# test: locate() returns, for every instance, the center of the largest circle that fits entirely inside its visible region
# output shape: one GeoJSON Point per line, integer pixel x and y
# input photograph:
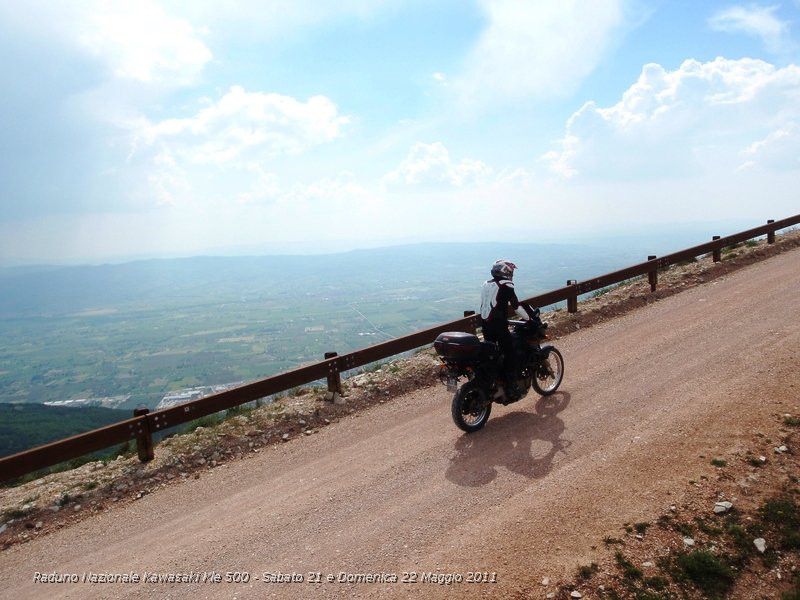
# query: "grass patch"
{"type": "Point", "coordinates": [791, 421]}
{"type": "Point", "coordinates": [89, 485]}
{"type": "Point", "coordinates": [656, 582]}
{"type": "Point", "coordinates": [586, 571]}
{"type": "Point", "coordinates": [706, 527]}
{"type": "Point", "coordinates": [706, 571]}
{"type": "Point", "coordinates": [718, 462]}
{"type": "Point", "coordinates": [641, 527]}
{"type": "Point", "coordinates": [14, 513]}
{"type": "Point", "coordinates": [741, 540]}
{"type": "Point", "coordinates": [754, 462]}
{"type": "Point", "coordinates": [685, 529]}
{"type": "Point", "coordinates": [783, 514]}
{"type": "Point", "coordinates": [207, 421]}
{"type": "Point", "coordinates": [664, 521]}
{"type": "Point", "coordinates": [732, 247]}
{"type": "Point", "coordinates": [629, 570]}
{"type": "Point", "coordinates": [241, 409]}
{"type": "Point", "coordinates": [609, 541]}
{"type": "Point", "coordinates": [751, 243]}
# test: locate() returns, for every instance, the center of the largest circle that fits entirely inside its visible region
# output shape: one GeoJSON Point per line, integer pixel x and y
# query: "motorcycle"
{"type": "Point", "coordinates": [481, 363]}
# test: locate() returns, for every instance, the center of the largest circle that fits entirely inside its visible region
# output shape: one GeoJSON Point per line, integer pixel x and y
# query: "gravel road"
{"type": "Point", "coordinates": [398, 489]}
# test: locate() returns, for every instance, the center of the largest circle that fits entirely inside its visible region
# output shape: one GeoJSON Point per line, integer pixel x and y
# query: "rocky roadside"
{"type": "Point", "coordinates": [734, 533]}
{"type": "Point", "coordinates": [43, 505]}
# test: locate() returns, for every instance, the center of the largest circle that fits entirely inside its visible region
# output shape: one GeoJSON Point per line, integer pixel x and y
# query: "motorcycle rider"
{"type": "Point", "coordinates": [497, 295]}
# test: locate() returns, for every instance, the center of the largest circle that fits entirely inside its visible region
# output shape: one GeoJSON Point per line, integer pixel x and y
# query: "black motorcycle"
{"type": "Point", "coordinates": [465, 355]}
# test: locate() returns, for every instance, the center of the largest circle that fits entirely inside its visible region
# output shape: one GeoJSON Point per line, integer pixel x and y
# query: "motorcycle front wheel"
{"type": "Point", "coordinates": [549, 373]}
{"type": "Point", "coordinates": [470, 409]}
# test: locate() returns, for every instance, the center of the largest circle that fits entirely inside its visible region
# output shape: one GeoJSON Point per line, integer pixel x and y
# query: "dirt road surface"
{"type": "Point", "coordinates": [398, 489]}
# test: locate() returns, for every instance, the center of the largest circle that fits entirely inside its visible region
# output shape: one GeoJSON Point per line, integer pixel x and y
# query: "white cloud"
{"type": "Point", "coordinates": [754, 20]}
{"type": "Point", "coordinates": [243, 123]}
{"type": "Point", "coordinates": [671, 123]}
{"type": "Point", "coordinates": [431, 165]}
{"type": "Point", "coordinates": [779, 150]}
{"type": "Point", "coordinates": [140, 41]}
{"type": "Point", "coordinates": [136, 41]}
{"type": "Point", "coordinates": [537, 49]}
{"type": "Point", "coordinates": [224, 152]}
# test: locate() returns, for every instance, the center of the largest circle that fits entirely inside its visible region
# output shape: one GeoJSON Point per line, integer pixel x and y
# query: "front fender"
{"type": "Point", "coordinates": [545, 350]}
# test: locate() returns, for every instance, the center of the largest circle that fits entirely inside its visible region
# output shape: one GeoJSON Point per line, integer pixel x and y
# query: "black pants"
{"type": "Point", "coordinates": [494, 331]}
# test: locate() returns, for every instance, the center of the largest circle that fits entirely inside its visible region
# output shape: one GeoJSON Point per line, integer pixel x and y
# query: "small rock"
{"type": "Point", "coordinates": [648, 563]}
{"type": "Point", "coordinates": [3, 527]}
{"type": "Point", "coordinates": [308, 432]}
{"type": "Point", "coordinates": [28, 507]}
{"type": "Point", "coordinates": [213, 463]}
{"type": "Point", "coordinates": [762, 459]}
{"type": "Point", "coordinates": [551, 595]}
{"type": "Point", "coordinates": [673, 508]}
{"type": "Point", "coordinates": [285, 437]}
{"type": "Point", "coordinates": [546, 581]}
{"type": "Point", "coordinates": [688, 541]}
{"type": "Point", "coordinates": [301, 422]}
{"type": "Point", "coordinates": [327, 421]}
{"type": "Point", "coordinates": [76, 508]}
{"type": "Point", "coordinates": [201, 462]}
{"type": "Point", "coordinates": [639, 536]}
{"type": "Point", "coordinates": [781, 449]}
{"type": "Point", "coordinates": [575, 594]}
{"type": "Point", "coordinates": [601, 588]}
{"type": "Point", "coordinates": [722, 507]}
{"type": "Point", "coordinates": [760, 544]}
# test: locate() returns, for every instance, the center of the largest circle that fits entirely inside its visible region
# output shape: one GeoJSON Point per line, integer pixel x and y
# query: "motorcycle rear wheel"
{"type": "Point", "coordinates": [470, 409]}
{"type": "Point", "coordinates": [549, 374]}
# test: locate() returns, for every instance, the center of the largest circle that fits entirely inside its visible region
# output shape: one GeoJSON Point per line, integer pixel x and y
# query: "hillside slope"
{"type": "Point", "coordinates": [399, 489]}
{"type": "Point", "coordinates": [24, 426]}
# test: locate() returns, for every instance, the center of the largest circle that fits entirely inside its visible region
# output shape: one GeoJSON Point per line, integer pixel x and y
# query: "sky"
{"type": "Point", "coordinates": [161, 128]}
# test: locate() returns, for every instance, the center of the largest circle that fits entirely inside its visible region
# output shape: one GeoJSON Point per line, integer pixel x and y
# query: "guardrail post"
{"type": "Point", "coordinates": [572, 301]}
{"type": "Point", "coordinates": [716, 253]}
{"type": "Point", "coordinates": [144, 439]}
{"type": "Point", "coordinates": [334, 379]}
{"type": "Point", "coordinates": [771, 234]}
{"type": "Point", "coordinates": [652, 276]}
{"type": "Point", "coordinates": [473, 322]}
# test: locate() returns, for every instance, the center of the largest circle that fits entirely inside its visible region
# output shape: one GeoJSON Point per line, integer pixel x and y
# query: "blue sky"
{"type": "Point", "coordinates": [175, 128]}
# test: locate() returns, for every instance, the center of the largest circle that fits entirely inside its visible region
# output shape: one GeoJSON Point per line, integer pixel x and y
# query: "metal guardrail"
{"type": "Point", "coordinates": [144, 423]}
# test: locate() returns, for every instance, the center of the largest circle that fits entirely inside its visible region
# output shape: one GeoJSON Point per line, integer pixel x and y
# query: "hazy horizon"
{"type": "Point", "coordinates": [682, 233]}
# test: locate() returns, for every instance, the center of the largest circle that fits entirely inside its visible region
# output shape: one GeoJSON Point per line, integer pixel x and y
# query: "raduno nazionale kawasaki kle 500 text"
{"type": "Point", "coordinates": [481, 363]}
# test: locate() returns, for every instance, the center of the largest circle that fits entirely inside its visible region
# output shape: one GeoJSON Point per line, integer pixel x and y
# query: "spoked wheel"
{"type": "Point", "coordinates": [470, 408]}
{"type": "Point", "coordinates": [549, 373]}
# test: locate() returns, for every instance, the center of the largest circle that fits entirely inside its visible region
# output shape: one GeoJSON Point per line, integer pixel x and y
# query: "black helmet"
{"type": "Point", "coordinates": [503, 269]}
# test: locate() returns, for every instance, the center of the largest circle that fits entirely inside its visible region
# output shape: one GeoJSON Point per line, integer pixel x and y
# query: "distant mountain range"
{"type": "Point", "coordinates": [65, 290]}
